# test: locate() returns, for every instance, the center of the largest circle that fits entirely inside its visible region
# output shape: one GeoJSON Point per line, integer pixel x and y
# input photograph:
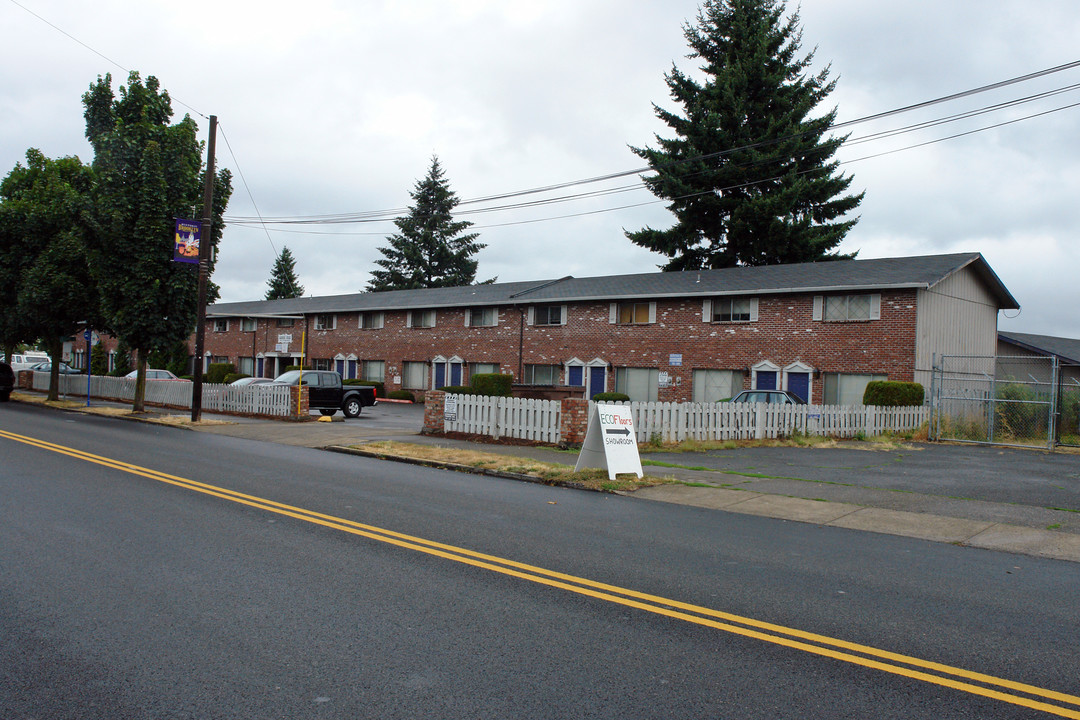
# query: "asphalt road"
{"type": "Point", "coordinates": [127, 593]}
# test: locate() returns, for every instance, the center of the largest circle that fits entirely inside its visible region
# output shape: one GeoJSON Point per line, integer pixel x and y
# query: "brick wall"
{"type": "Point", "coordinates": [784, 333]}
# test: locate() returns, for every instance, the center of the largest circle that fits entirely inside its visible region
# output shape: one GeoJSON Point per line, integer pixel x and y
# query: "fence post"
{"type": "Point", "coordinates": [434, 404]}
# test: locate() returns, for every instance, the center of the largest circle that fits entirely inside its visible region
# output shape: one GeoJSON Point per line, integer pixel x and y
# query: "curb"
{"type": "Point", "coordinates": [443, 465]}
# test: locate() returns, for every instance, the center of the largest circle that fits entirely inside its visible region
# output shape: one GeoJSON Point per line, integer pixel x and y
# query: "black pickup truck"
{"type": "Point", "coordinates": [327, 394]}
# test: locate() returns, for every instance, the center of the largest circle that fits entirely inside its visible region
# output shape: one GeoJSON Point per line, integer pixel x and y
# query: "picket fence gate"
{"type": "Point", "coordinates": [499, 417]}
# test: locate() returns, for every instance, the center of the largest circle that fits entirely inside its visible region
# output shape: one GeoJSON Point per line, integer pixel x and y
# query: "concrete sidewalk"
{"type": "Point", "coordinates": [735, 481]}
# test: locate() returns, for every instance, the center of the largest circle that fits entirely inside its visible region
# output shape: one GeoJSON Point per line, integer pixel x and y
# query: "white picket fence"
{"type": "Point", "coordinates": [498, 417]}
{"type": "Point", "coordinates": [268, 400]}
{"type": "Point", "coordinates": [674, 422]}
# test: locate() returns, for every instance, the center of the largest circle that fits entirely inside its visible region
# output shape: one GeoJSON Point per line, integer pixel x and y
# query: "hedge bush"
{"type": "Point", "coordinates": [888, 393]}
{"type": "Point", "coordinates": [492, 384]}
{"type": "Point", "coordinates": [401, 395]}
{"type": "Point", "coordinates": [459, 390]}
{"type": "Point", "coordinates": [611, 397]}
{"type": "Point", "coordinates": [217, 371]}
{"type": "Point", "coordinates": [380, 390]}
{"type": "Point", "coordinates": [233, 377]}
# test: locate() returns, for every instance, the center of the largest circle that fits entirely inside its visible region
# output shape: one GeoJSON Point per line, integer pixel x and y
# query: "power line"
{"type": "Point", "coordinates": [383, 215]}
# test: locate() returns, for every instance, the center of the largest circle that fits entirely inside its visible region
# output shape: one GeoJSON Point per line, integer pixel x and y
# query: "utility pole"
{"type": "Point", "coordinates": [204, 271]}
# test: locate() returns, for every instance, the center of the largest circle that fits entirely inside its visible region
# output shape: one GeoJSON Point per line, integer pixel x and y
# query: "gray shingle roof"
{"type": "Point", "coordinates": [1065, 348]}
{"type": "Point", "coordinates": [841, 275]}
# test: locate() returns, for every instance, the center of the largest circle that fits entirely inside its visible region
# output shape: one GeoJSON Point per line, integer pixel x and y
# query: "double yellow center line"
{"type": "Point", "coordinates": [1008, 691]}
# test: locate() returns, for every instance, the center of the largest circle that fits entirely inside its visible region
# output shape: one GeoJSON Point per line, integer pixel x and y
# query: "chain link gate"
{"type": "Point", "coordinates": [997, 400]}
{"type": "Point", "coordinates": [1068, 405]}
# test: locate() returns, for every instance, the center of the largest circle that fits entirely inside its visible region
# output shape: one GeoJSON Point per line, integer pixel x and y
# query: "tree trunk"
{"type": "Point", "coordinates": [139, 404]}
{"type": "Point", "coordinates": [56, 350]}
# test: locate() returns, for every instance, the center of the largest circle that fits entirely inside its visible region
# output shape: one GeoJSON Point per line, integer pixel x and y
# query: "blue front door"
{"type": "Point", "coordinates": [799, 384]}
{"type": "Point", "coordinates": [575, 376]}
{"type": "Point", "coordinates": [455, 374]}
{"type": "Point", "coordinates": [440, 375]}
{"type": "Point", "coordinates": [766, 380]}
{"type": "Point", "coordinates": [597, 379]}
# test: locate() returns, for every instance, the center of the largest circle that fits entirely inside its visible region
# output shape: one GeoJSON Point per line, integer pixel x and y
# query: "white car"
{"type": "Point", "coordinates": [156, 375]}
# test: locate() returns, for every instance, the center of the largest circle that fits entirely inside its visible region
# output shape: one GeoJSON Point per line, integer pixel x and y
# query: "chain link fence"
{"type": "Point", "coordinates": [1068, 405]}
{"type": "Point", "coordinates": [997, 399]}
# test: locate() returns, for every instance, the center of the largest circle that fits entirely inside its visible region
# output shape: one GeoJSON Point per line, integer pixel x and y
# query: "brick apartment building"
{"type": "Point", "coordinates": [822, 330]}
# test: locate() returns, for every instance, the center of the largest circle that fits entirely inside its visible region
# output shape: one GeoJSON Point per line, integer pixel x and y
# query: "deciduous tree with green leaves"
{"type": "Point", "coordinates": [148, 174]}
{"type": "Point", "coordinates": [431, 249]}
{"type": "Point", "coordinates": [45, 218]}
{"type": "Point", "coordinates": [283, 282]}
{"type": "Point", "coordinates": [749, 174]}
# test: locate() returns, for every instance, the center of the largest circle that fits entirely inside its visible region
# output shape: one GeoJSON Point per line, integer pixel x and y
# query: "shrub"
{"type": "Point", "coordinates": [611, 397]}
{"type": "Point", "coordinates": [217, 371]}
{"type": "Point", "coordinates": [380, 390]}
{"type": "Point", "coordinates": [893, 394]}
{"type": "Point", "coordinates": [99, 360]}
{"type": "Point", "coordinates": [401, 395]}
{"type": "Point", "coordinates": [459, 390]}
{"type": "Point", "coordinates": [233, 377]}
{"type": "Point", "coordinates": [492, 384]}
{"type": "Point", "coordinates": [291, 367]}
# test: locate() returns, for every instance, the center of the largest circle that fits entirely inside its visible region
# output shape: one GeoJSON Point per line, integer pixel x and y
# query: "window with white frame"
{"type": "Point", "coordinates": [248, 324]}
{"type": "Point", "coordinates": [636, 313]}
{"type": "Point", "coordinates": [715, 385]}
{"type": "Point", "coordinates": [221, 325]}
{"type": "Point", "coordinates": [414, 375]}
{"type": "Point", "coordinates": [483, 368]}
{"type": "Point", "coordinates": [641, 384]}
{"type": "Point", "coordinates": [541, 375]}
{"type": "Point", "coordinates": [325, 321]}
{"type": "Point", "coordinates": [846, 388]}
{"type": "Point", "coordinates": [850, 308]}
{"type": "Point", "coordinates": [371, 320]}
{"type": "Point", "coordinates": [285, 322]}
{"type": "Point", "coordinates": [421, 318]}
{"type": "Point", "coordinates": [547, 314]}
{"type": "Point", "coordinates": [482, 317]}
{"type": "Point", "coordinates": [731, 310]}
{"type": "Point", "coordinates": [374, 370]}
{"type": "Point", "coordinates": [246, 366]}
{"type": "Point", "coordinates": [323, 364]}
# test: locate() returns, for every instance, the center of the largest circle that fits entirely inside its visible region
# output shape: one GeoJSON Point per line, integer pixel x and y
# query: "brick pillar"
{"type": "Point", "coordinates": [574, 421]}
{"type": "Point", "coordinates": [299, 404]}
{"type": "Point", "coordinates": [434, 402]}
{"type": "Point", "coordinates": [24, 379]}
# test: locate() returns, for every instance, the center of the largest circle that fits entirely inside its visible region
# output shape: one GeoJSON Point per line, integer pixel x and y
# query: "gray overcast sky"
{"type": "Point", "coordinates": [337, 107]}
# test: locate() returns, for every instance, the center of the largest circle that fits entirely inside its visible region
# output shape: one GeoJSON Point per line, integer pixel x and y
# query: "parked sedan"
{"type": "Point", "coordinates": [7, 381]}
{"type": "Point", "coordinates": [252, 381]}
{"type": "Point", "coordinates": [776, 397]}
{"type": "Point", "coordinates": [65, 369]}
{"type": "Point", "coordinates": [156, 375]}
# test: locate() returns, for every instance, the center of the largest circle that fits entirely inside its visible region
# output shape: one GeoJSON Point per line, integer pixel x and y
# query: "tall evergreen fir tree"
{"type": "Point", "coordinates": [431, 249]}
{"type": "Point", "coordinates": [283, 282]}
{"type": "Point", "coordinates": [750, 175]}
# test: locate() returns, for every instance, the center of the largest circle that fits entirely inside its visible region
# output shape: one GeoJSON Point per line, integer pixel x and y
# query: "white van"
{"type": "Point", "coordinates": [22, 361]}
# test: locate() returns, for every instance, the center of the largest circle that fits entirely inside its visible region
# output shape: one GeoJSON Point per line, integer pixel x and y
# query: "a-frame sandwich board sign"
{"type": "Point", "coordinates": [610, 441]}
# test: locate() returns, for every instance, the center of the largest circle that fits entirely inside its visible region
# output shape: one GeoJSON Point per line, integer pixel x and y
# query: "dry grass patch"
{"type": "Point", "coordinates": [554, 473]}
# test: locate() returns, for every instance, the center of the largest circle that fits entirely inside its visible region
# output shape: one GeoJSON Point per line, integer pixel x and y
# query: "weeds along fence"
{"type": "Point", "coordinates": [266, 400]}
{"type": "Point", "coordinates": [540, 420]}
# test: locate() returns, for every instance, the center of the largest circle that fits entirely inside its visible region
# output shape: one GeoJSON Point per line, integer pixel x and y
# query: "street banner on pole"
{"type": "Point", "coordinates": [610, 441]}
{"type": "Point", "coordinates": [186, 243]}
